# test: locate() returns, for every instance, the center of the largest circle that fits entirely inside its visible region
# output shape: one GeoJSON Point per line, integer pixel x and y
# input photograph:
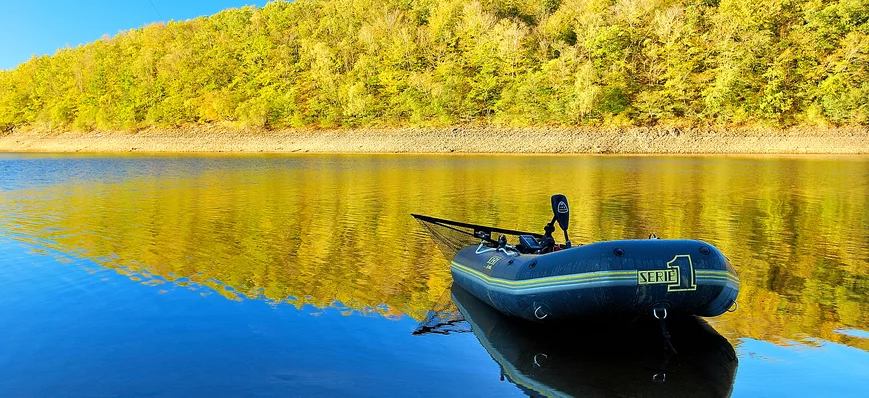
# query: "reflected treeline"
{"type": "Point", "coordinates": [336, 230]}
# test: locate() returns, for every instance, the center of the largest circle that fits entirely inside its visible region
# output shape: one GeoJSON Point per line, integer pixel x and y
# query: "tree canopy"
{"type": "Point", "coordinates": [331, 63]}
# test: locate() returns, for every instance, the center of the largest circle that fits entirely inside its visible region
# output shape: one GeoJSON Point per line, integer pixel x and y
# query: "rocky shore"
{"type": "Point", "coordinates": [461, 139]}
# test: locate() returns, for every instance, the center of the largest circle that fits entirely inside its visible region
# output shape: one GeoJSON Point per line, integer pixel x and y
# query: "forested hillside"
{"type": "Point", "coordinates": [330, 63]}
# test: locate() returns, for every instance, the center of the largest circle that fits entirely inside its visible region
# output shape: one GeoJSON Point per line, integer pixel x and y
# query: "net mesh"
{"type": "Point", "coordinates": [453, 236]}
{"type": "Point", "coordinates": [449, 239]}
{"type": "Point", "coordinates": [443, 318]}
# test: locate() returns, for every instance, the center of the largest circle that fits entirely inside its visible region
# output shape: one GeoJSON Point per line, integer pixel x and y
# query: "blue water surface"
{"type": "Point", "coordinates": [304, 275]}
{"type": "Point", "coordinates": [72, 328]}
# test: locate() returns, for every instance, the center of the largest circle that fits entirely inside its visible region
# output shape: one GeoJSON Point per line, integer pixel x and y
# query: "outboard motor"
{"type": "Point", "coordinates": [561, 214]}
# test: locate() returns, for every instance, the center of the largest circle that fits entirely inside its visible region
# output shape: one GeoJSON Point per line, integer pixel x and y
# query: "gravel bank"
{"type": "Point", "coordinates": [464, 139]}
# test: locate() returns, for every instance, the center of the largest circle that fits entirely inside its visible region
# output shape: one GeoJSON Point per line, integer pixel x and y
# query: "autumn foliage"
{"type": "Point", "coordinates": [331, 63]}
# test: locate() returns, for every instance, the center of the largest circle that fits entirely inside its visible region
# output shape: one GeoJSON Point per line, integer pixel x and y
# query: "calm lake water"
{"type": "Point", "coordinates": [306, 275]}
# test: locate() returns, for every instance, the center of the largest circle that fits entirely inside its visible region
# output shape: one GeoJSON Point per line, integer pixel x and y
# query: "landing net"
{"type": "Point", "coordinates": [452, 236]}
{"type": "Point", "coordinates": [443, 318]}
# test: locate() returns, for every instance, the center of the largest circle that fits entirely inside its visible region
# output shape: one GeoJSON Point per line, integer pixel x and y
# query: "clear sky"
{"type": "Point", "coordinates": [41, 27]}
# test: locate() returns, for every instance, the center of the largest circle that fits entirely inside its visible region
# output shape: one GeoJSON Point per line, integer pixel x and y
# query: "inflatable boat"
{"type": "Point", "coordinates": [537, 279]}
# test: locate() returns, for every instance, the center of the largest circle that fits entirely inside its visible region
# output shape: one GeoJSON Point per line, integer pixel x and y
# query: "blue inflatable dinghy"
{"type": "Point", "coordinates": [537, 279]}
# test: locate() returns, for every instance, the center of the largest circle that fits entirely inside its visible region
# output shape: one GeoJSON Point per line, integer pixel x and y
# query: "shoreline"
{"type": "Point", "coordinates": [458, 139]}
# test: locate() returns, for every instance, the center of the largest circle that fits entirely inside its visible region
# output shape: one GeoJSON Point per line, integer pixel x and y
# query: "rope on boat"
{"type": "Point", "coordinates": [666, 333]}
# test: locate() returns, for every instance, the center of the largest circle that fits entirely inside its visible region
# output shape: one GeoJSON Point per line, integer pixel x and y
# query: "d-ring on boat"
{"type": "Point", "coordinates": [537, 279]}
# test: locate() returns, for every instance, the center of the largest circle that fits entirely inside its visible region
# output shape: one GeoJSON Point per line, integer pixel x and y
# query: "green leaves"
{"type": "Point", "coordinates": [422, 62]}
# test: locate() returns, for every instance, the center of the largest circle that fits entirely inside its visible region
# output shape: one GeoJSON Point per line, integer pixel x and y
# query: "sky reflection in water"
{"type": "Point", "coordinates": [209, 274]}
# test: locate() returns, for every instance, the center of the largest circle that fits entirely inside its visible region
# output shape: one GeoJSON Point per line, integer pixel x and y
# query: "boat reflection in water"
{"type": "Point", "coordinates": [590, 359]}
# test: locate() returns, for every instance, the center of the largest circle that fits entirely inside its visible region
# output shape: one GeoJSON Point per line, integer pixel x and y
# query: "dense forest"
{"type": "Point", "coordinates": [333, 63]}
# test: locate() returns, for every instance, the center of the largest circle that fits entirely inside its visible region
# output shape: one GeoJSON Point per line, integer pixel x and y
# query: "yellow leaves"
{"type": "Point", "coordinates": [751, 14]}
{"type": "Point", "coordinates": [668, 23]}
{"type": "Point", "coordinates": [634, 12]}
{"type": "Point", "coordinates": [444, 19]}
{"type": "Point", "coordinates": [511, 36]}
{"type": "Point", "coordinates": [322, 62]}
{"type": "Point", "coordinates": [582, 15]}
{"type": "Point", "coordinates": [654, 60]}
{"type": "Point", "coordinates": [215, 106]}
{"type": "Point", "coordinates": [853, 54]}
{"type": "Point", "coordinates": [585, 91]}
{"type": "Point", "coordinates": [357, 102]}
{"type": "Point", "coordinates": [475, 21]}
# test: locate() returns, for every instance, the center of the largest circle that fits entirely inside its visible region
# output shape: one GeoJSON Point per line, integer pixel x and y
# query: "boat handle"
{"type": "Point", "coordinates": [537, 314]}
{"type": "Point", "coordinates": [655, 313]}
{"type": "Point", "coordinates": [733, 306]}
{"type": "Point", "coordinates": [504, 249]}
{"type": "Point", "coordinates": [662, 379]}
{"type": "Point", "coordinates": [536, 362]}
{"type": "Point", "coordinates": [483, 249]}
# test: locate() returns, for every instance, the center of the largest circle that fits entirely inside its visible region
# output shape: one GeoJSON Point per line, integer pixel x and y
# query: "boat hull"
{"type": "Point", "coordinates": [613, 278]}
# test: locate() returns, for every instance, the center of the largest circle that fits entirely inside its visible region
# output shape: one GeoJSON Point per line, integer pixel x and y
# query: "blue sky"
{"type": "Point", "coordinates": [41, 27]}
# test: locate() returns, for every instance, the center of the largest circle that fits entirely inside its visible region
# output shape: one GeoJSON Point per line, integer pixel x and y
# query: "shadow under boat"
{"type": "Point", "coordinates": [602, 357]}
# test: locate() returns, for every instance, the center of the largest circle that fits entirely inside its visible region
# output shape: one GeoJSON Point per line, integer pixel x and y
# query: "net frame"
{"type": "Point", "coordinates": [452, 236]}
